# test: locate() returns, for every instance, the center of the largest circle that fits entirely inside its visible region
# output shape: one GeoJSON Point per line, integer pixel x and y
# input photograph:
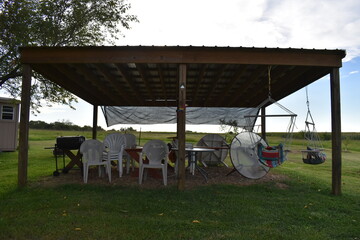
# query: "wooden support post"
{"type": "Point", "coordinates": [95, 118]}
{"type": "Point", "coordinates": [336, 130]}
{"type": "Point", "coordinates": [24, 127]}
{"type": "Point", "coordinates": [263, 123]}
{"type": "Point", "coordinates": [181, 115]}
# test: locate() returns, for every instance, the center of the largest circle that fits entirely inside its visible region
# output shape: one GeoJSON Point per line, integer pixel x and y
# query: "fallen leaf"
{"type": "Point", "coordinates": [77, 229]}
{"type": "Point", "coordinates": [196, 221]}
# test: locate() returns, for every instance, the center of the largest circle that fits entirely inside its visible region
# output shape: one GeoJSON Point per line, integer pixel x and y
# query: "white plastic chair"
{"type": "Point", "coordinates": [114, 148]}
{"type": "Point", "coordinates": [92, 150]}
{"type": "Point", "coordinates": [130, 143]}
{"type": "Point", "coordinates": [156, 151]}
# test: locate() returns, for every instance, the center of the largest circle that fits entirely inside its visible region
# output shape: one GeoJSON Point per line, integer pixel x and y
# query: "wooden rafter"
{"type": "Point", "coordinates": [262, 89]}
{"type": "Point", "coordinates": [216, 79]}
{"type": "Point", "coordinates": [124, 73]}
{"type": "Point", "coordinates": [162, 81]}
{"type": "Point", "coordinates": [235, 79]}
{"type": "Point", "coordinates": [57, 73]}
{"type": "Point", "coordinates": [93, 80]}
{"type": "Point", "coordinates": [260, 71]}
{"type": "Point", "coordinates": [198, 83]}
{"type": "Point", "coordinates": [143, 75]}
{"type": "Point", "coordinates": [111, 79]}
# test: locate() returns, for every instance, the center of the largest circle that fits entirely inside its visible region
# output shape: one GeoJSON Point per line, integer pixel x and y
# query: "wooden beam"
{"type": "Point", "coordinates": [113, 83]}
{"type": "Point", "coordinates": [336, 130]}
{"type": "Point", "coordinates": [95, 118]}
{"type": "Point", "coordinates": [215, 81]}
{"type": "Point", "coordinates": [181, 115]}
{"type": "Point", "coordinates": [54, 72]}
{"type": "Point", "coordinates": [199, 80]}
{"type": "Point", "coordinates": [142, 71]}
{"type": "Point", "coordinates": [95, 82]}
{"type": "Point", "coordinates": [298, 81]}
{"type": "Point", "coordinates": [151, 54]}
{"type": "Point", "coordinates": [162, 80]}
{"type": "Point", "coordinates": [50, 72]}
{"type": "Point", "coordinates": [75, 80]}
{"type": "Point", "coordinates": [243, 89]}
{"type": "Point", "coordinates": [124, 72]}
{"type": "Point", "coordinates": [236, 79]}
{"type": "Point", "coordinates": [24, 126]}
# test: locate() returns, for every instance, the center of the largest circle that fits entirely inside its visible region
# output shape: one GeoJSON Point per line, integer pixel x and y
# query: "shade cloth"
{"type": "Point", "coordinates": [167, 115]}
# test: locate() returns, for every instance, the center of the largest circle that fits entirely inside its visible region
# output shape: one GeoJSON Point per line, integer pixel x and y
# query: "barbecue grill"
{"type": "Point", "coordinates": [70, 142]}
{"type": "Point", "coordinates": [63, 146]}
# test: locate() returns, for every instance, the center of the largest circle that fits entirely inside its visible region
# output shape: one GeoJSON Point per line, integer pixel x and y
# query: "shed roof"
{"type": "Point", "coordinates": [148, 75]}
{"type": "Point", "coordinates": [9, 100]}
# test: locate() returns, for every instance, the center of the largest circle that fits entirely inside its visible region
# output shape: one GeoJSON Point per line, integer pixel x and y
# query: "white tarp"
{"type": "Point", "coordinates": [166, 115]}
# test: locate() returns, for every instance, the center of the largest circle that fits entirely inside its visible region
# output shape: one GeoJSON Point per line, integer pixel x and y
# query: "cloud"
{"type": "Point", "coordinates": [353, 72]}
{"type": "Point", "coordinates": [317, 24]}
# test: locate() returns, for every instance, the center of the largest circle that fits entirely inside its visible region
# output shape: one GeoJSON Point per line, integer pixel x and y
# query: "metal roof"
{"type": "Point", "coordinates": [148, 75]}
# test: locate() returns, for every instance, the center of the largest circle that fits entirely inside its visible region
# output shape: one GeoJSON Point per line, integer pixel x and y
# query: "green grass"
{"type": "Point", "coordinates": [302, 208]}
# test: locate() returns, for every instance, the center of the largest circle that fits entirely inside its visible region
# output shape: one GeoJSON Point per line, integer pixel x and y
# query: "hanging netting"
{"type": "Point", "coordinates": [314, 153]}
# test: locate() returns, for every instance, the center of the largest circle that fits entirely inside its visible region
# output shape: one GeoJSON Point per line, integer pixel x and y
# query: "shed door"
{"type": "Point", "coordinates": [8, 128]}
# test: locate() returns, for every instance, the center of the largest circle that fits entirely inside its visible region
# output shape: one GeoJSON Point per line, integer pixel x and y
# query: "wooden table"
{"type": "Point", "coordinates": [135, 154]}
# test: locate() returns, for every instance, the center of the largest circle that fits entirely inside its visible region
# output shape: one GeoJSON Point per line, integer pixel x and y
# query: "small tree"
{"type": "Point", "coordinates": [230, 126]}
{"type": "Point", "coordinates": [346, 142]}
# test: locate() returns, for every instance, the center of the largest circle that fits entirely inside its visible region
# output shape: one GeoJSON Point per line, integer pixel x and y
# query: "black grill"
{"type": "Point", "coordinates": [70, 142]}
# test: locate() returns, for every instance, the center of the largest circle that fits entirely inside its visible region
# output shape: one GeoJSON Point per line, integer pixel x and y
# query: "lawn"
{"type": "Point", "coordinates": [302, 208]}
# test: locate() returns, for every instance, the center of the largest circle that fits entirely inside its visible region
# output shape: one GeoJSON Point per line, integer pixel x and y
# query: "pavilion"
{"type": "Point", "coordinates": [181, 76]}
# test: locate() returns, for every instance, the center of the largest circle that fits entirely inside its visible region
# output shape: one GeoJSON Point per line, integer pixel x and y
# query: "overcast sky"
{"type": "Point", "coordinates": [311, 24]}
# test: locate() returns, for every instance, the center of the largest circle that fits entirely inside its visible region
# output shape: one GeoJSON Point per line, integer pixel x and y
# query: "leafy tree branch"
{"type": "Point", "coordinates": [54, 23]}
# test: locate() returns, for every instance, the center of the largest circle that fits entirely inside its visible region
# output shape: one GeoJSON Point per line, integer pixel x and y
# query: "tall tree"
{"type": "Point", "coordinates": [54, 23]}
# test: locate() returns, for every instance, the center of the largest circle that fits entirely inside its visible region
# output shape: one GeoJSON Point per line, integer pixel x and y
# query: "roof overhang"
{"type": "Point", "coordinates": [148, 75]}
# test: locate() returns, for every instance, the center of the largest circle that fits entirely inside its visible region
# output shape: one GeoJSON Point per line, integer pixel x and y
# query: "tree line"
{"type": "Point", "coordinates": [60, 125]}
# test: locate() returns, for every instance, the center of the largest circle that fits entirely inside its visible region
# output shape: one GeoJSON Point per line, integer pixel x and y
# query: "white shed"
{"type": "Point", "coordinates": [9, 118]}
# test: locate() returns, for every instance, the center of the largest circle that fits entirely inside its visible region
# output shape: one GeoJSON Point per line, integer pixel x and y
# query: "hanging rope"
{"type": "Point", "coordinates": [270, 99]}
{"type": "Point", "coordinates": [269, 76]}
{"type": "Point", "coordinates": [314, 151]}
{"type": "Point", "coordinates": [272, 156]}
{"type": "Point", "coordinates": [307, 99]}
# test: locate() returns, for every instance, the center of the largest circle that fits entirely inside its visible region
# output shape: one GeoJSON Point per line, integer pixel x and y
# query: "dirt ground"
{"type": "Point", "coordinates": [216, 175]}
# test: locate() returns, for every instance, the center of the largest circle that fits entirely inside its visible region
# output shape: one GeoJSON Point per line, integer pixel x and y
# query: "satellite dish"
{"type": "Point", "coordinates": [216, 142]}
{"type": "Point", "coordinates": [243, 155]}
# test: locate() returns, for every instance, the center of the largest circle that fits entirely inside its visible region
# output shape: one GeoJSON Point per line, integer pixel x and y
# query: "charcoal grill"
{"type": "Point", "coordinates": [69, 142]}
{"type": "Point", "coordinates": [64, 145]}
